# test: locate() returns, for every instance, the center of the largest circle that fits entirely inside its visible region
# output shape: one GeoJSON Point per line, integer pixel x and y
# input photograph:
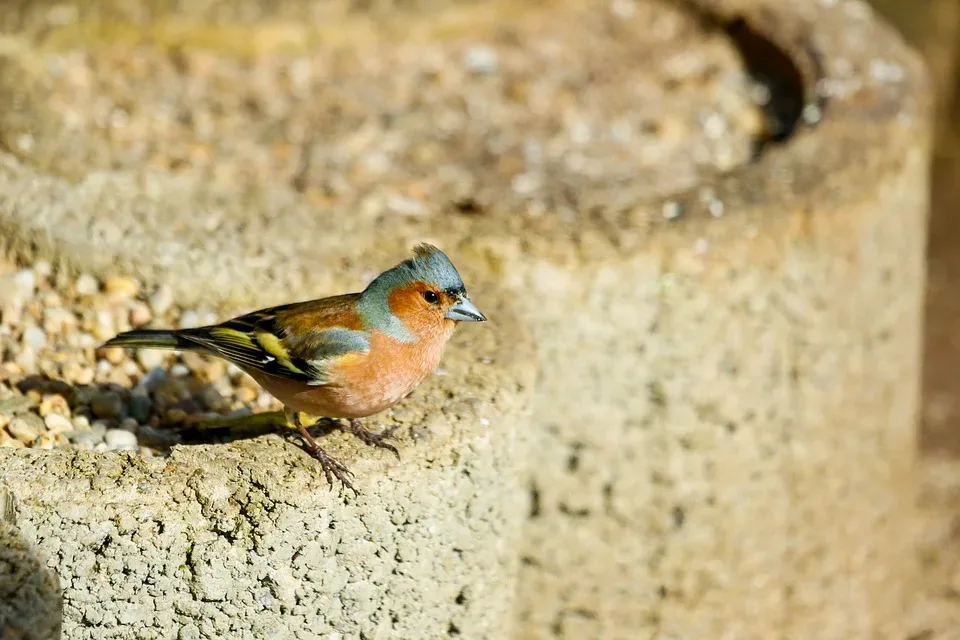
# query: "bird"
{"type": "Point", "coordinates": [343, 357]}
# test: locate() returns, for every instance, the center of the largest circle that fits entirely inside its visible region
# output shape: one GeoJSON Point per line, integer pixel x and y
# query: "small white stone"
{"type": "Point", "coordinates": [117, 438]}
{"type": "Point", "coordinates": [672, 210]}
{"type": "Point", "coordinates": [43, 268]}
{"type": "Point", "coordinates": [715, 207]}
{"type": "Point", "coordinates": [35, 338]}
{"type": "Point", "coordinates": [481, 59]}
{"type": "Point", "coordinates": [161, 300]}
{"type": "Point", "coordinates": [25, 282]}
{"type": "Point", "coordinates": [57, 423]}
{"type": "Point", "coordinates": [179, 370]}
{"type": "Point", "coordinates": [190, 319]}
{"type": "Point", "coordinates": [150, 358]}
{"type": "Point", "coordinates": [87, 285]}
{"type": "Point", "coordinates": [525, 184]}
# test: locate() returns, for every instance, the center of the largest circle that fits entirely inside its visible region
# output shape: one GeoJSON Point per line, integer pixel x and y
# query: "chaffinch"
{"type": "Point", "coordinates": [348, 356]}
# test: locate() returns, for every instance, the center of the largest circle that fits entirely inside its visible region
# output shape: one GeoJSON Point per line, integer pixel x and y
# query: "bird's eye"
{"type": "Point", "coordinates": [431, 297]}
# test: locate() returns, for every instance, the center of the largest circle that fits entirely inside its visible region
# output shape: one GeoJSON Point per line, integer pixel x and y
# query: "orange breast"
{"type": "Point", "coordinates": [363, 385]}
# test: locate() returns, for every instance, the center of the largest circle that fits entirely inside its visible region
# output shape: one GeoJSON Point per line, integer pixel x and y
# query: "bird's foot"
{"type": "Point", "coordinates": [332, 468]}
{"type": "Point", "coordinates": [372, 438]}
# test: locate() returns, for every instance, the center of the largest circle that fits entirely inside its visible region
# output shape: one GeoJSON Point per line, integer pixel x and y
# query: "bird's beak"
{"type": "Point", "coordinates": [464, 310]}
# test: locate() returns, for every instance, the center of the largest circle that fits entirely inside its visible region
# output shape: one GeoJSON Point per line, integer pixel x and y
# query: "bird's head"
{"type": "Point", "coordinates": [424, 292]}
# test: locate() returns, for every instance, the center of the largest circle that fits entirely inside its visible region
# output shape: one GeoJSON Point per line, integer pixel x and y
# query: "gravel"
{"type": "Point", "coordinates": [568, 96]}
{"type": "Point", "coordinates": [59, 390]}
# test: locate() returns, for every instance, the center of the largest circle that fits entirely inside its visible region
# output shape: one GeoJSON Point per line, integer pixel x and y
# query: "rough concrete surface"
{"type": "Point", "coordinates": [245, 540]}
{"type": "Point", "coordinates": [727, 399]}
{"type": "Point", "coordinates": [729, 451]}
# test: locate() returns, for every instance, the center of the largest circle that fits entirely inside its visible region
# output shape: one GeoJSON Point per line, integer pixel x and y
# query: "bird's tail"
{"type": "Point", "coordinates": [153, 339]}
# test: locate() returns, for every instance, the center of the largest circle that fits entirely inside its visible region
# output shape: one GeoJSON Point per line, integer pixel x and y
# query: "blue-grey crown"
{"type": "Point", "coordinates": [429, 265]}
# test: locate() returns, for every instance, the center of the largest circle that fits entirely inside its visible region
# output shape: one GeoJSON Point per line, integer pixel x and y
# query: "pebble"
{"type": "Point", "coordinates": [49, 441]}
{"type": "Point", "coordinates": [153, 379]}
{"type": "Point", "coordinates": [121, 286]}
{"type": "Point", "coordinates": [57, 423]}
{"type": "Point", "coordinates": [57, 320]}
{"type": "Point", "coordinates": [99, 429]}
{"type": "Point", "coordinates": [35, 338]}
{"type": "Point", "coordinates": [161, 301]}
{"type": "Point", "coordinates": [86, 285]}
{"type": "Point", "coordinates": [481, 59]}
{"type": "Point", "coordinates": [77, 373]}
{"type": "Point", "coordinates": [84, 439]}
{"type": "Point", "coordinates": [25, 282]}
{"type": "Point", "coordinates": [246, 395]}
{"type": "Point", "coordinates": [23, 429]}
{"type": "Point", "coordinates": [190, 319]}
{"type": "Point", "coordinates": [107, 405]}
{"type": "Point", "coordinates": [150, 358]}
{"type": "Point", "coordinates": [140, 314]}
{"type": "Point", "coordinates": [211, 399]}
{"type": "Point", "coordinates": [7, 441]}
{"type": "Point", "coordinates": [54, 403]}
{"type": "Point", "coordinates": [120, 438]}
{"type": "Point", "coordinates": [15, 404]}
{"type": "Point", "coordinates": [140, 406]}
{"type": "Point", "coordinates": [114, 356]}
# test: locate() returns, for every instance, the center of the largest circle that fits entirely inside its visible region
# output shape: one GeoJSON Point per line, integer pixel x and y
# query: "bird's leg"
{"type": "Point", "coordinates": [371, 438]}
{"type": "Point", "coordinates": [332, 468]}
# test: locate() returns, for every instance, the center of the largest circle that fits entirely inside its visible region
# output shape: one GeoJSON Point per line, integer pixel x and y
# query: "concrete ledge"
{"type": "Point", "coordinates": [244, 540]}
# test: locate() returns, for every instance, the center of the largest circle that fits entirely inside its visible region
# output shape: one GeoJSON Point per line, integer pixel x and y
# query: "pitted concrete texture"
{"type": "Point", "coordinates": [733, 456]}
{"type": "Point", "coordinates": [30, 604]}
{"type": "Point", "coordinates": [245, 540]}
{"type": "Point", "coordinates": [728, 451]}
{"type": "Point", "coordinates": [729, 363]}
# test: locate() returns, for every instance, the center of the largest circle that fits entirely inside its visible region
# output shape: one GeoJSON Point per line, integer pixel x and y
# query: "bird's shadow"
{"type": "Point", "coordinates": [31, 600]}
{"type": "Point", "coordinates": [169, 411]}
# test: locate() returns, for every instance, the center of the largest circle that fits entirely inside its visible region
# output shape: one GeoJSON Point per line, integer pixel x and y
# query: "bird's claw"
{"type": "Point", "coordinates": [332, 468]}
{"type": "Point", "coordinates": [373, 439]}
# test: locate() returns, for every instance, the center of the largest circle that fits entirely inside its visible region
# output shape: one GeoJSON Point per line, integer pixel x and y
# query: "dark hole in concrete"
{"type": "Point", "coordinates": [534, 501]}
{"type": "Point", "coordinates": [774, 70]}
{"type": "Point", "coordinates": [573, 461]}
{"type": "Point", "coordinates": [569, 511]}
{"type": "Point", "coordinates": [679, 517]}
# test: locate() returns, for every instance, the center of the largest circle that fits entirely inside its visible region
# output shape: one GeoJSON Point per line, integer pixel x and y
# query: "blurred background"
{"type": "Point", "coordinates": [933, 27]}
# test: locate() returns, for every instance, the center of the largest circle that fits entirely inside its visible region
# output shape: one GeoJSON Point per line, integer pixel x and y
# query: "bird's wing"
{"type": "Point", "coordinates": [298, 341]}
